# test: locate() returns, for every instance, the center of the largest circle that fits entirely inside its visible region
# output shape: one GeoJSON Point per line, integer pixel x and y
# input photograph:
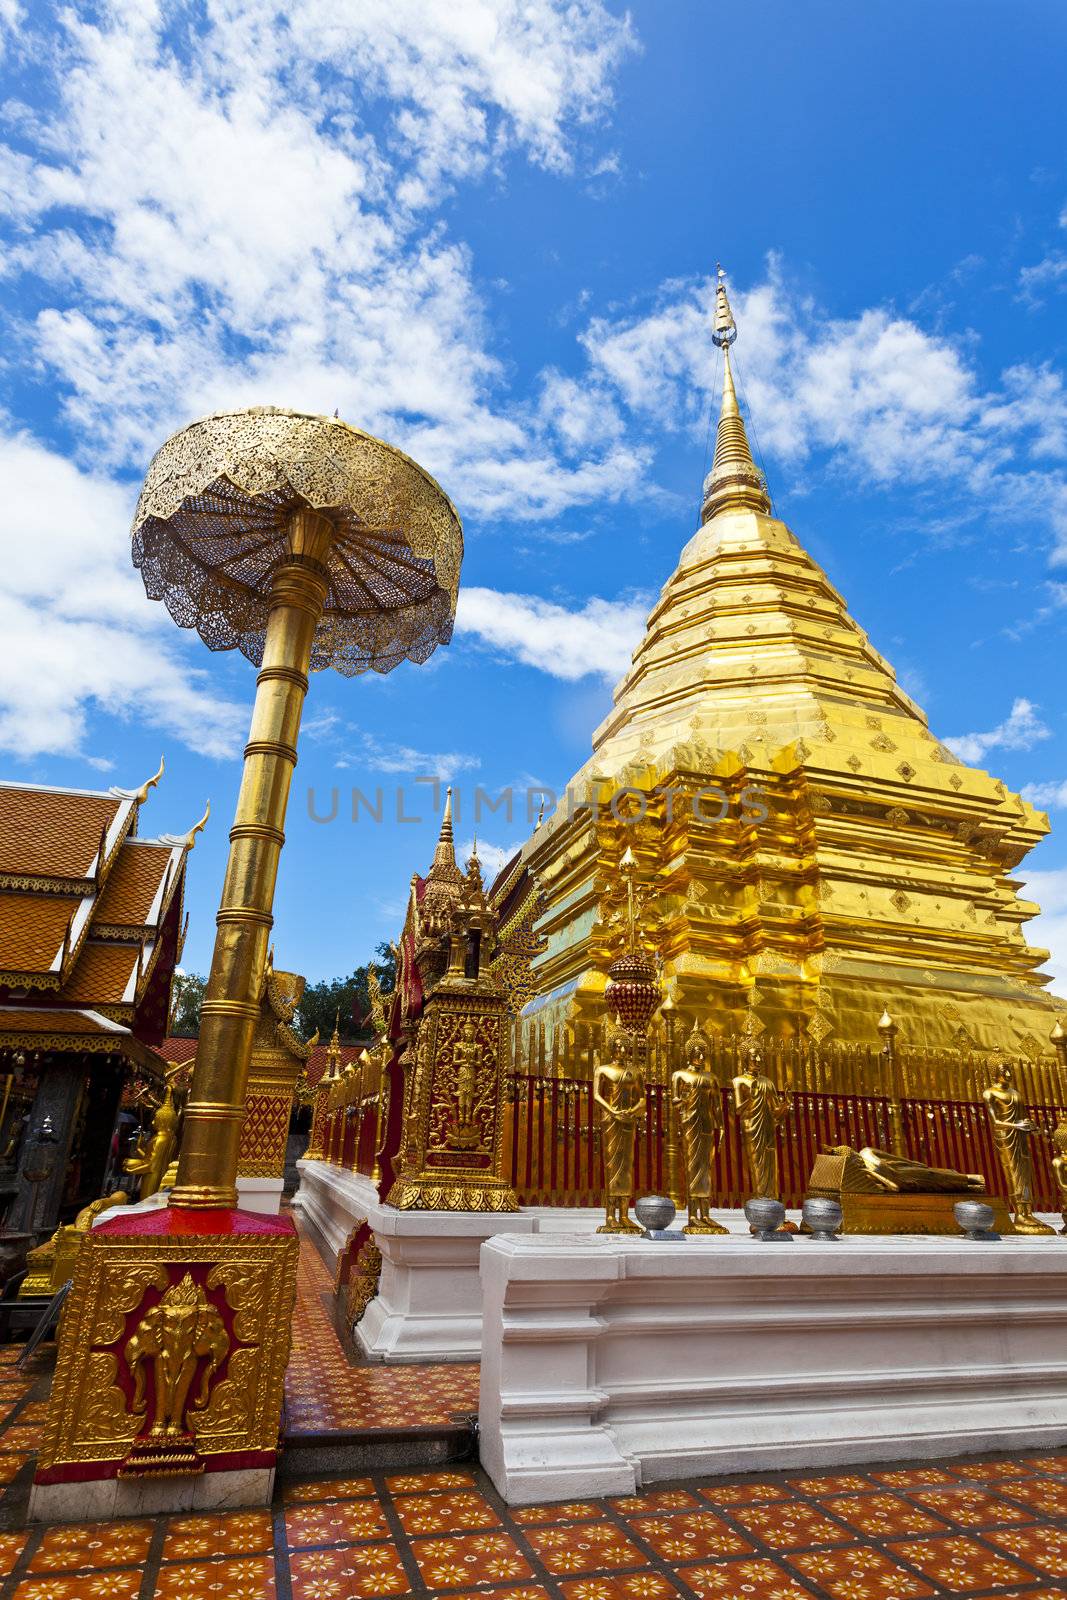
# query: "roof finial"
{"type": "Point", "coordinates": [141, 795]}
{"type": "Point", "coordinates": [444, 856]}
{"type": "Point", "coordinates": [735, 482]}
{"type": "Point", "coordinates": [198, 827]}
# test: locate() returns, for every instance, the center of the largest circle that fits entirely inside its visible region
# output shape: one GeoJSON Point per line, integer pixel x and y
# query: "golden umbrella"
{"type": "Point", "coordinates": [304, 543]}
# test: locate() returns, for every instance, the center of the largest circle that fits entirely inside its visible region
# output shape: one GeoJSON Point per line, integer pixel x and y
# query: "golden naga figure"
{"type": "Point", "coordinates": [1012, 1128]}
{"type": "Point", "coordinates": [899, 1175]}
{"type": "Point", "coordinates": [153, 1156]}
{"type": "Point", "coordinates": [1059, 1168]}
{"type": "Point", "coordinates": [697, 1108]}
{"type": "Point", "coordinates": [619, 1091]}
{"type": "Point", "coordinates": [175, 1335]}
{"type": "Point", "coordinates": [761, 1107]}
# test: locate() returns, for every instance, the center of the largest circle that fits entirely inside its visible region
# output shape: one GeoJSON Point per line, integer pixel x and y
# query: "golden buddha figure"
{"type": "Point", "coordinates": [697, 1107]}
{"type": "Point", "coordinates": [1012, 1129]}
{"type": "Point", "coordinates": [153, 1155]}
{"type": "Point", "coordinates": [761, 1108]}
{"type": "Point", "coordinates": [1059, 1168]}
{"type": "Point", "coordinates": [467, 1061]}
{"type": "Point", "coordinates": [619, 1091]}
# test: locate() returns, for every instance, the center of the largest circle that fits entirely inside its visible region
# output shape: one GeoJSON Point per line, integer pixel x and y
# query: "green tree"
{"type": "Point", "coordinates": [348, 999]}
{"type": "Point", "coordinates": [187, 992]}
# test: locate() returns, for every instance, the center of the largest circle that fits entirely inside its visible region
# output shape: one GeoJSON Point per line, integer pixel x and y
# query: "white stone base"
{"type": "Point", "coordinates": [611, 1363]}
{"type": "Point", "coordinates": [260, 1194]}
{"type": "Point", "coordinates": [105, 1498]}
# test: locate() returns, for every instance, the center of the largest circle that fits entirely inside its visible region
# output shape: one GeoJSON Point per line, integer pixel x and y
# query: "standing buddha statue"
{"type": "Point", "coordinates": [1012, 1129]}
{"type": "Point", "coordinates": [698, 1110]}
{"type": "Point", "coordinates": [1059, 1167]}
{"type": "Point", "coordinates": [619, 1091]}
{"type": "Point", "coordinates": [761, 1107]}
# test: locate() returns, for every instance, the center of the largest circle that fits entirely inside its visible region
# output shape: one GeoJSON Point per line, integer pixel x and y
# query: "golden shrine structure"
{"type": "Point", "coordinates": [826, 892]}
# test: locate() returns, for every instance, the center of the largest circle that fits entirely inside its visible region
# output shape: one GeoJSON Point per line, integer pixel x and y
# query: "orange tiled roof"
{"type": "Point", "coordinates": [62, 1027]}
{"type": "Point", "coordinates": [177, 1049]}
{"type": "Point", "coordinates": [132, 884]}
{"type": "Point", "coordinates": [52, 833]}
{"type": "Point", "coordinates": [317, 1060]}
{"type": "Point", "coordinates": [102, 974]}
{"type": "Point", "coordinates": [31, 930]}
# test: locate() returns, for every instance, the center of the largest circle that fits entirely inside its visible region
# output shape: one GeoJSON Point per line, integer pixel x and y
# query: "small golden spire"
{"type": "Point", "coordinates": [735, 482]}
{"type": "Point", "coordinates": [444, 856]}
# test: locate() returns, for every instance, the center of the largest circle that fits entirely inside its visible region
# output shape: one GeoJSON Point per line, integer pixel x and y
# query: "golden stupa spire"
{"type": "Point", "coordinates": [444, 865]}
{"type": "Point", "coordinates": [735, 482]}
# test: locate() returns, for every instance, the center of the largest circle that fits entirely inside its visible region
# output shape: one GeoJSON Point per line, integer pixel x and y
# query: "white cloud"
{"type": "Point", "coordinates": [1049, 930]}
{"type": "Point", "coordinates": [491, 856]}
{"type": "Point", "coordinates": [218, 217]}
{"type": "Point", "coordinates": [1049, 275]}
{"type": "Point", "coordinates": [76, 626]}
{"type": "Point", "coordinates": [1020, 730]}
{"type": "Point", "coordinates": [878, 395]}
{"type": "Point", "coordinates": [598, 637]}
{"type": "Point", "coordinates": [402, 760]}
{"type": "Point", "coordinates": [1046, 796]}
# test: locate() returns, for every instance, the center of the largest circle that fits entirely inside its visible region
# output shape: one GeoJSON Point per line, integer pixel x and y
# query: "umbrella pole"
{"type": "Point", "coordinates": [207, 1165]}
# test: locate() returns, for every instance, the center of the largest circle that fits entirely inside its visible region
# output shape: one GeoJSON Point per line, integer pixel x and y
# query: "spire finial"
{"type": "Point", "coordinates": [735, 482]}
{"type": "Point", "coordinates": [444, 856]}
{"type": "Point", "coordinates": [198, 827]}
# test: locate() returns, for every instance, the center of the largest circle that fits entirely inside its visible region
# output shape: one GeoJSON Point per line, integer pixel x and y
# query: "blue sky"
{"type": "Point", "coordinates": [486, 232]}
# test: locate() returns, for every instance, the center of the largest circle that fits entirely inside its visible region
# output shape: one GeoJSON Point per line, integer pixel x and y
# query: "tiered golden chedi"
{"type": "Point", "coordinates": [882, 870]}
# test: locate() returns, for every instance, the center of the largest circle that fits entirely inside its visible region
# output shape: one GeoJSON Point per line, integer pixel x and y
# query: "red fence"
{"type": "Point", "coordinates": [553, 1136]}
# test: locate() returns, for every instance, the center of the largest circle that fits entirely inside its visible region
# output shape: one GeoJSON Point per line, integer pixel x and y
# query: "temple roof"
{"type": "Point", "coordinates": [90, 915]}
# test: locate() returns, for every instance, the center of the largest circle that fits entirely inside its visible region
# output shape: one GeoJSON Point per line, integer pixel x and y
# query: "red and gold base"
{"type": "Point", "coordinates": [172, 1351]}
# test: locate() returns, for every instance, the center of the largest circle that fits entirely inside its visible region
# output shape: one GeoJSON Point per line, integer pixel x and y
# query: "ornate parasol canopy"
{"type": "Point", "coordinates": [211, 527]}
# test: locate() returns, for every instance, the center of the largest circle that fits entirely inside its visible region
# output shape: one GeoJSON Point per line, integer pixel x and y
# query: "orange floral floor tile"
{"type": "Point", "coordinates": [364, 1570]}
{"type": "Point", "coordinates": [474, 1558]}
{"type": "Point", "coordinates": [858, 1573]}
{"type": "Point", "coordinates": [325, 1392]}
{"type": "Point", "coordinates": [961, 1564]}
{"type": "Point", "coordinates": [743, 1580]}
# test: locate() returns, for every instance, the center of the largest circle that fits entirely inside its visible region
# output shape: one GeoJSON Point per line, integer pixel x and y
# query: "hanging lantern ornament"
{"type": "Point", "coordinates": [633, 989]}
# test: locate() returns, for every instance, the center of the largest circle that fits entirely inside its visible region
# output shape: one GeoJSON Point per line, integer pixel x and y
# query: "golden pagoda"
{"type": "Point", "coordinates": [818, 852]}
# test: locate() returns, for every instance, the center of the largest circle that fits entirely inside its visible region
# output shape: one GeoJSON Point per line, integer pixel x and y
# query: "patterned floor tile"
{"type": "Point", "coordinates": [122, 1584]}
{"type": "Point", "coordinates": [327, 1489]}
{"type": "Point", "coordinates": [882, 1515]}
{"type": "Point", "coordinates": [250, 1579]}
{"type": "Point", "coordinates": [356, 1572]}
{"type": "Point", "coordinates": [960, 1564]}
{"type": "Point", "coordinates": [646, 1585]}
{"type": "Point", "coordinates": [445, 1513]}
{"type": "Point", "coordinates": [1054, 1463]}
{"type": "Point", "coordinates": [593, 1547]}
{"type": "Point", "coordinates": [971, 1508]}
{"type": "Point", "coordinates": [561, 1511]}
{"type": "Point", "coordinates": [912, 1477]}
{"type": "Point", "coordinates": [11, 1547]}
{"type": "Point", "coordinates": [744, 1494]}
{"type": "Point", "coordinates": [1043, 1548]}
{"type": "Point", "coordinates": [689, 1534]}
{"type": "Point", "coordinates": [475, 1558]}
{"type": "Point", "coordinates": [790, 1527]}
{"type": "Point", "coordinates": [426, 1482]}
{"type": "Point", "coordinates": [1048, 1495]}
{"type": "Point", "coordinates": [203, 1537]}
{"type": "Point", "coordinates": [17, 1437]}
{"type": "Point", "coordinates": [852, 1484]}
{"type": "Point", "coordinates": [92, 1544]}
{"type": "Point", "coordinates": [335, 1522]}
{"type": "Point", "coordinates": [859, 1574]}
{"type": "Point", "coordinates": [631, 1505]}
{"type": "Point", "coordinates": [742, 1580]}
{"type": "Point", "coordinates": [988, 1471]}
{"type": "Point", "coordinates": [11, 1466]}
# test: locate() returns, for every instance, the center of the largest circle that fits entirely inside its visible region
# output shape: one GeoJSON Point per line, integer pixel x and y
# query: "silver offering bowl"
{"type": "Point", "coordinates": [765, 1218]}
{"type": "Point", "coordinates": [822, 1216]}
{"type": "Point", "coordinates": [975, 1218]}
{"type": "Point", "coordinates": [654, 1212]}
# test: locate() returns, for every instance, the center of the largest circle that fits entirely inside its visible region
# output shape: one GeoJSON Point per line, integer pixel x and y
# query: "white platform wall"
{"type": "Point", "coordinates": [611, 1363]}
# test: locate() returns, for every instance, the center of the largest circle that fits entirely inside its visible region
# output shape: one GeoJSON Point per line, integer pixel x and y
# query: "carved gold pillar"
{"type": "Point", "coordinates": [207, 1165]}
{"type": "Point", "coordinates": [887, 1030]}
